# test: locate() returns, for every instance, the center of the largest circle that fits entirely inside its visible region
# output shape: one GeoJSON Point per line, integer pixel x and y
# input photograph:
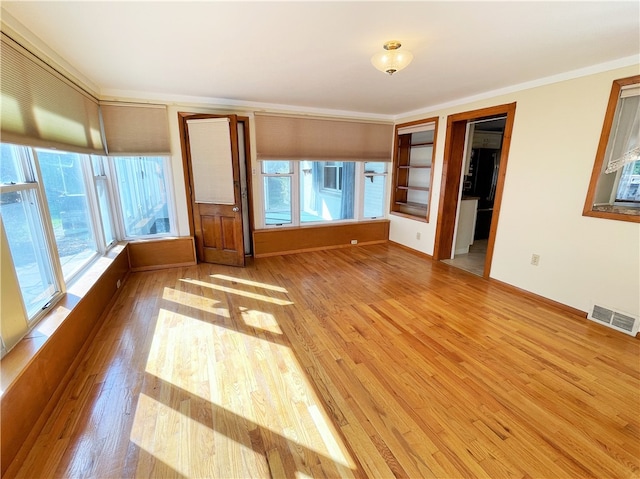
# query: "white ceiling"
{"type": "Point", "coordinates": [316, 55]}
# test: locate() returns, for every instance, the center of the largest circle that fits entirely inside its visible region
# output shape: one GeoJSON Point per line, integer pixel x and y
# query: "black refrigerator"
{"type": "Point", "coordinates": [481, 183]}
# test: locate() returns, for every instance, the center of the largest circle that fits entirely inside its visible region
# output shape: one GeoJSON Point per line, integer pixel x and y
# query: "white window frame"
{"type": "Point", "coordinates": [361, 177]}
{"type": "Point", "coordinates": [104, 176]}
{"type": "Point", "coordinates": [92, 207]}
{"type": "Point", "coordinates": [295, 196]}
{"type": "Point", "coordinates": [171, 204]}
{"type": "Point", "coordinates": [24, 324]}
{"type": "Point", "coordinates": [293, 174]}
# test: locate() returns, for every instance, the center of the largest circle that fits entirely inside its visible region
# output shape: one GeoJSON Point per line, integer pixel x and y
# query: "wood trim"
{"type": "Point", "coordinates": [162, 253]}
{"type": "Point", "coordinates": [449, 187]}
{"type": "Point", "coordinates": [186, 171]}
{"type": "Point", "coordinates": [408, 216]}
{"type": "Point", "coordinates": [195, 219]}
{"type": "Point", "coordinates": [36, 372]}
{"type": "Point", "coordinates": [394, 176]}
{"type": "Point", "coordinates": [249, 170]}
{"type": "Point", "coordinates": [451, 172]}
{"type": "Point", "coordinates": [502, 174]}
{"type": "Point", "coordinates": [277, 241]}
{"type": "Point", "coordinates": [536, 297]}
{"type": "Point", "coordinates": [600, 154]}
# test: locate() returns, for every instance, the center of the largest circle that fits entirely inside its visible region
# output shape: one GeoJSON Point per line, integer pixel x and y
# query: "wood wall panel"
{"type": "Point", "coordinates": [163, 253]}
{"type": "Point", "coordinates": [40, 369]}
{"type": "Point", "coordinates": [272, 242]}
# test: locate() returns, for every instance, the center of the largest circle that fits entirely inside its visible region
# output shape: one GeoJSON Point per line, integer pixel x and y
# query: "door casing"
{"type": "Point", "coordinates": [451, 175]}
{"type": "Point", "coordinates": [195, 224]}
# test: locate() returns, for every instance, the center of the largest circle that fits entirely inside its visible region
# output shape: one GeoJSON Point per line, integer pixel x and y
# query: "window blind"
{"type": "Point", "coordinates": [295, 138]}
{"type": "Point", "coordinates": [135, 129]}
{"type": "Point", "coordinates": [211, 160]}
{"type": "Point", "coordinates": [624, 143]}
{"type": "Point", "coordinates": [42, 108]}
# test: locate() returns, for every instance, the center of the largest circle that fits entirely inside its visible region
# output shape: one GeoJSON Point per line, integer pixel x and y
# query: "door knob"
{"type": "Point", "coordinates": [236, 209]}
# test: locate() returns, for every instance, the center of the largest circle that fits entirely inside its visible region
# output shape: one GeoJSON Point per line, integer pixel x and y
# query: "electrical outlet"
{"type": "Point", "coordinates": [418, 235]}
{"type": "Point", "coordinates": [354, 241]}
{"type": "Point", "coordinates": [535, 259]}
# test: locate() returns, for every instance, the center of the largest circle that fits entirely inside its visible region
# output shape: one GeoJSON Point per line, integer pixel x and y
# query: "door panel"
{"type": "Point", "coordinates": [214, 174]}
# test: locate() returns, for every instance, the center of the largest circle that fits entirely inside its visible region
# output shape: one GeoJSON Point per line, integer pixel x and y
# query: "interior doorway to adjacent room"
{"type": "Point", "coordinates": [475, 161]}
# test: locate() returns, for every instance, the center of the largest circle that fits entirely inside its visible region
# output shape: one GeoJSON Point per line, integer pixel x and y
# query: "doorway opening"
{"type": "Point", "coordinates": [475, 160]}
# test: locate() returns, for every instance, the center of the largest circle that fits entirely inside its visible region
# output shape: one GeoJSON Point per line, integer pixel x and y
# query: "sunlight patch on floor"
{"type": "Point", "coordinates": [260, 320]}
{"type": "Point", "coordinates": [171, 435]}
{"type": "Point", "coordinates": [194, 301]}
{"type": "Point", "coordinates": [250, 283]}
{"type": "Point", "coordinates": [246, 294]}
{"type": "Point", "coordinates": [244, 378]}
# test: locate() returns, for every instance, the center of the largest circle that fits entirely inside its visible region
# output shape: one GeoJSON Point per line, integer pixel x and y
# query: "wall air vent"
{"type": "Point", "coordinates": [615, 319]}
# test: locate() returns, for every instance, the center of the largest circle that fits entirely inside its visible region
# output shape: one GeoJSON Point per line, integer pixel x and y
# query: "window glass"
{"type": "Point", "coordinates": [375, 181]}
{"type": "Point", "coordinates": [10, 171]}
{"type": "Point", "coordinates": [25, 235]}
{"type": "Point", "coordinates": [66, 194]}
{"type": "Point", "coordinates": [143, 190]}
{"type": "Point", "coordinates": [318, 202]}
{"type": "Point", "coordinates": [277, 199]}
{"type": "Point", "coordinates": [332, 176]}
{"type": "Point", "coordinates": [379, 167]}
{"type": "Point", "coordinates": [629, 185]}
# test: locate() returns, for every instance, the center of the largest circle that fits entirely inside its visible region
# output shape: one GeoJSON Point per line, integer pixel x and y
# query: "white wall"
{"type": "Point", "coordinates": [583, 260]}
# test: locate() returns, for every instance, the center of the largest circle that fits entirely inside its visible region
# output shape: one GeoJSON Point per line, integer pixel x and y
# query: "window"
{"type": "Point", "coordinates": [58, 214]}
{"type": "Point", "coordinates": [614, 190]}
{"type": "Point", "coordinates": [375, 189]}
{"type": "Point", "coordinates": [323, 196]}
{"type": "Point", "coordinates": [64, 183]}
{"type": "Point", "coordinates": [326, 191]}
{"type": "Point", "coordinates": [276, 183]}
{"type": "Point", "coordinates": [23, 220]}
{"type": "Point", "coordinates": [412, 168]}
{"type": "Point", "coordinates": [101, 181]}
{"type": "Point", "coordinates": [143, 188]}
{"type": "Point", "coordinates": [332, 176]}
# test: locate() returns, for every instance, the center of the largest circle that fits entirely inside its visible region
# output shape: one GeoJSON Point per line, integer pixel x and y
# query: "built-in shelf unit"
{"type": "Point", "coordinates": [413, 162]}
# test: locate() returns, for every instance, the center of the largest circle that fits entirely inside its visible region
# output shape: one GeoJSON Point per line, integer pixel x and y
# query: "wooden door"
{"type": "Point", "coordinates": [214, 185]}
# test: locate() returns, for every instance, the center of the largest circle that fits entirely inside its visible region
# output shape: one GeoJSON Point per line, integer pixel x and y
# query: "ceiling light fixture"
{"type": "Point", "coordinates": [391, 59]}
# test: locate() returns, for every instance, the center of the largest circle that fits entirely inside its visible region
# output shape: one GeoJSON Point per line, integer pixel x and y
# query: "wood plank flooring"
{"type": "Point", "coordinates": [359, 362]}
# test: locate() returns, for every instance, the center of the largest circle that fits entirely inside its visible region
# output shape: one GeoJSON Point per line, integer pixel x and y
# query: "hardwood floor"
{"type": "Point", "coordinates": [359, 362]}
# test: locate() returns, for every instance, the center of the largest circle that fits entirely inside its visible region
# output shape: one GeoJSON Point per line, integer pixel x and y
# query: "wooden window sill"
{"type": "Point", "coordinates": [19, 358]}
{"type": "Point", "coordinates": [614, 212]}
